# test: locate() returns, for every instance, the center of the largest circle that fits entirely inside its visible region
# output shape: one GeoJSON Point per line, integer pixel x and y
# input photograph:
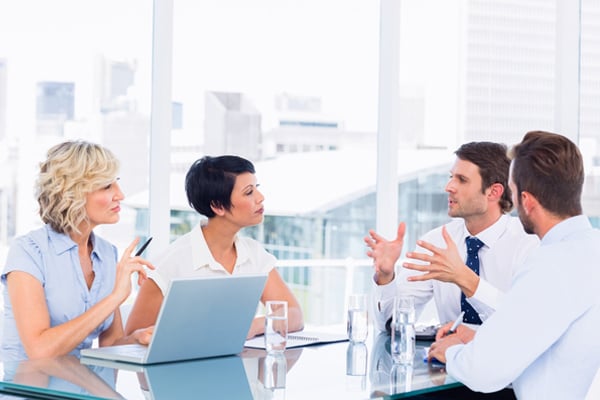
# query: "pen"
{"type": "Point", "coordinates": [455, 324]}
{"type": "Point", "coordinates": [141, 250]}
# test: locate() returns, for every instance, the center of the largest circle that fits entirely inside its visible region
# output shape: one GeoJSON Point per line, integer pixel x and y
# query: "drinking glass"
{"type": "Point", "coordinates": [403, 330]}
{"type": "Point", "coordinates": [276, 326]}
{"type": "Point", "coordinates": [358, 324]}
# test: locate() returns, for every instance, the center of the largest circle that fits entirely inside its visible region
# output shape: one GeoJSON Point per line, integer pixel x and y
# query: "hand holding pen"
{"type": "Point", "coordinates": [455, 325]}
{"type": "Point", "coordinates": [141, 250]}
{"type": "Point", "coordinates": [442, 332]}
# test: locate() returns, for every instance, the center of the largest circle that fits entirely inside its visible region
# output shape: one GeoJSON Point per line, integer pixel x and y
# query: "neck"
{"type": "Point", "coordinates": [478, 224]}
{"type": "Point", "coordinates": [82, 239]}
{"type": "Point", "coordinates": [219, 237]}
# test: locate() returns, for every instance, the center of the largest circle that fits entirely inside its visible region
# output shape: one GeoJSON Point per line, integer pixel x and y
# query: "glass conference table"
{"type": "Point", "coordinates": [338, 370]}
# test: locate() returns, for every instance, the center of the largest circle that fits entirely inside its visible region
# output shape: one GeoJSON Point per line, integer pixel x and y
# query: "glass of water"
{"type": "Point", "coordinates": [358, 318]}
{"type": "Point", "coordinates": [276, 326]}
{"type": "Point", "coordinates": [403, 330]}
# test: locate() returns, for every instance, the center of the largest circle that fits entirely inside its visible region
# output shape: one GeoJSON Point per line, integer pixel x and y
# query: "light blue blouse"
{"type": "Point", "coordinates": [52, 258]}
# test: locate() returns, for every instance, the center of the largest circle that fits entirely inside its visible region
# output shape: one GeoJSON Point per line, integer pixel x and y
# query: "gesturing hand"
{"type": "Point", "coordinates": [385, 253]}
{"type": "Point", "coordinates": [444, 265]}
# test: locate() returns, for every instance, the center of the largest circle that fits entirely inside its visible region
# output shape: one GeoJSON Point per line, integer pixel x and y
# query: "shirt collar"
{"type": "Point", "coordinates": [63, 242]}
{"type": "Point", "coordinates": [565, 228]}
{"type": "Point", "coordinates": [60, 241]}
{"type": "Point", "coordinates": [491, 234]}
{"type": "Point", "coordinates": [201, 253]}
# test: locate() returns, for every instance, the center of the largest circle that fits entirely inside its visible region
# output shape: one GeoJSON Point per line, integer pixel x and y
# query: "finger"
{"type": "Point", "coordinates": [401, 231]}
{"type": "Point", "coordinates": [417, 267]}
{"type": "Point", "coordinates": [376, 236]}
{"type": "Point", "coordinates": [423, 277]}
{"type": "Point", "coordinates": [419, 256]}
{"type": "Point", "coordinates": [429, 246]}
{"type": "Point", "coordinates": [129, 250]}
{"type": "Point", "coordinates": [449, 242]}
{"type": "Point", "coordinates": [441, 333]}
{"type": "Point", "coordinates": [143, 261]}
{"type": "Point", "coordinates": [141, 279]}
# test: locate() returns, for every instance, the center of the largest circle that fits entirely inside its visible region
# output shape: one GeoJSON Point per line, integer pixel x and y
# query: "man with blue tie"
{"type": "Point", "coordinates": [472, 275]}
{"type": "Point", "coordinates": [542, 336]}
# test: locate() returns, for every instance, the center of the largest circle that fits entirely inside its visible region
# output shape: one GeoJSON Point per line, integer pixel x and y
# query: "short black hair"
{"type": "Point", "coordinates": [210, 180]}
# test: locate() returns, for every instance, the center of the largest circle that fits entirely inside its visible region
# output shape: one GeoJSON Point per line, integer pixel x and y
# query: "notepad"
{"type": "Point", "coordinates": [301, 339]}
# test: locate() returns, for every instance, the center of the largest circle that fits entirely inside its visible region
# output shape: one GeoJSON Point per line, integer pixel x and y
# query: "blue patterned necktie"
{"type": "Point", "coordinates": [473, 245]}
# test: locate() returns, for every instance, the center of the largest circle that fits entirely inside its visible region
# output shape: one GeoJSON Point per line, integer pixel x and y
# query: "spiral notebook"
{"type": "Point", "coordinates": [301, 339]}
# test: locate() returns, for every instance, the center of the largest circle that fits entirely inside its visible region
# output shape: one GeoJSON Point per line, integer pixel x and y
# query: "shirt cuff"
{"type": "Point", "coordinates": [383, 301]}
{"type": "Point", "coordinates": [158, 279]}
{"type": "Point", "coordinates": [485, 299]}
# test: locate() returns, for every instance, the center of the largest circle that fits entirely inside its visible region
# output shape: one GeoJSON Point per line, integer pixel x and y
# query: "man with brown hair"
{"type": "Point", "coordinates": [542, 336]}
{"type": "Point", "coordinates": [478, 200]}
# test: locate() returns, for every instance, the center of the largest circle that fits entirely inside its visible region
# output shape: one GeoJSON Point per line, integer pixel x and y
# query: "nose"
{"type": "Point", "coordinates": [118, 195]}
{"type": "Point", "coordinates": [260, 197]}
{"type": "Point", "coordinates": [449, 186]}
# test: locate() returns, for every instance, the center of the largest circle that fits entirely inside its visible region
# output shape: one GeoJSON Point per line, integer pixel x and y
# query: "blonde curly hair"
{"type": "Point", "coordinates": [71, 171]}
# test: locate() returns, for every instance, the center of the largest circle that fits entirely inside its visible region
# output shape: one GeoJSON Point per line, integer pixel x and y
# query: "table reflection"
{"type": "Point", "coordinates": [388, 377]}
{"type": "Point", "coordinates": [62, 374]}
{"type": "Point", "coordinates": [267, 372]}
{"type": "Point", "coordinates": [353, 371]}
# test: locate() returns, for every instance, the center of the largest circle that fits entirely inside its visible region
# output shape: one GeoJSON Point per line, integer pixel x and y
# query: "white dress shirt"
{"type": "Point", "coordinates": [506, 246]}
{"type": "Point", "coordinates": [542, 337]}
{"type": "Point", "coordinates": [189, 256]}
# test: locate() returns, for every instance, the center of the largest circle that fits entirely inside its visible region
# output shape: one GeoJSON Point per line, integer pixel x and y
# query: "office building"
{"type": "Point", "coordinates": [232, 125]}
{"type": "Point", "coordinates": [509, 68]}
{"type": "Point", "coordinates": [113, 82]}
{"type": "Point", "coordinates": [55, 104]}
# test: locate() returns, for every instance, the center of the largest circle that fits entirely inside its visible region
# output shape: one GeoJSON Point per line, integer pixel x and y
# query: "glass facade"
{"type": "Point", "coordinates": [272, 78]}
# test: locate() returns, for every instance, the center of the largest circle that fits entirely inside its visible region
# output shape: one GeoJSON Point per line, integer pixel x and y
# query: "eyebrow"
{"type": "Point", "coordinates": [462, 176]}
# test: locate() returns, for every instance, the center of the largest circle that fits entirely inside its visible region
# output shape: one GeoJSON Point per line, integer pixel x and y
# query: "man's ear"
{"type": "Point", "coordinates": [496, 190]}
{"type": "Point", "coordinates": [528, 201]}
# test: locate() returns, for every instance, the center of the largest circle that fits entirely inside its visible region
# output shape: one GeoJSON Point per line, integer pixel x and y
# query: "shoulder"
{"type": "Point", "coordinates": [36, 241]}
{"type": "Point", "coordinates": [176, 249]}
{"type": "Point", "coordinates": [27, 252]}
{"type": "Point", "coordinates": [454, 227]}
{"type": "Point", "coordinates": [252, 245]}
{"type": "Point", "coordinates": [255, 251]}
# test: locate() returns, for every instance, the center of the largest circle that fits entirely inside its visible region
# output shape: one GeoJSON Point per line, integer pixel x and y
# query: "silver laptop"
{"type": "Point", "coordinates": [199, 318]}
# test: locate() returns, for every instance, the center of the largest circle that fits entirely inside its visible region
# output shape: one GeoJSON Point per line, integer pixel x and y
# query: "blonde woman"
{"type": "Point", "coordinates": [64, 284]}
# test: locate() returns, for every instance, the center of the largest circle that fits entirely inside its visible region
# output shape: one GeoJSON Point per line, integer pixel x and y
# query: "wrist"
{"type": "Point", "coordinates": [383, 279]}
{"type": "Point", "coordinates": [469, 284]}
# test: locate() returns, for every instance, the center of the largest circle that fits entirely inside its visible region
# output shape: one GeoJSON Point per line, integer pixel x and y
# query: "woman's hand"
{"type": "Point", "coordinates": [144, 335]}
{"type": "Point", "coordinates": [126, 266]}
